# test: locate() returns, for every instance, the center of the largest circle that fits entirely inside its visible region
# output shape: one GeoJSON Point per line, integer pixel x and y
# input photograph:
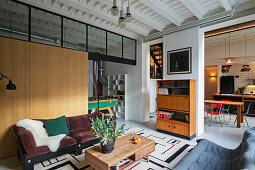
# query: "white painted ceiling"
{"type": "Point", "coordinates": [149, 16]}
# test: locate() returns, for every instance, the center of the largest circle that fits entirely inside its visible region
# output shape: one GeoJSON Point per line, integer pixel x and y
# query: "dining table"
{"type": "Point", "coordinates": [239, 108]}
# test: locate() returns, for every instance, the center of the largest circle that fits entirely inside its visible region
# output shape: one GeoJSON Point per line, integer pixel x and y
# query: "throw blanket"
{"type": "Point", "coordinates": [40, 135]}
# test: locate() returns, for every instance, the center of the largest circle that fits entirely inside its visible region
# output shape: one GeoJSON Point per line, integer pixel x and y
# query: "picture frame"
{"type": "Point", "coordinates": [179, 61]}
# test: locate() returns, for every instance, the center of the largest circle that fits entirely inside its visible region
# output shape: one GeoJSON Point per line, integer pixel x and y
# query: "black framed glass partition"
{"type": "Point", "coordinates": [22, 21]}
{"type": "Point", "coordinates": [114, 45]}
{"type": "Point", "coordinates": [74, 35]}
{"type": "Point", "coordinates": [96, 40]}
{"type": "Point", "coordinates": [129, 48]}
{"type": "Point", "coordinates": [14, 20]}
{"type": "Point", "coordinates": [45, 27]}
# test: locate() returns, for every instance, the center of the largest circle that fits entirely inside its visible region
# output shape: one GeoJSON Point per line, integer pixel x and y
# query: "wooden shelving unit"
{"type": "Point", "coordinates": [176, 107]}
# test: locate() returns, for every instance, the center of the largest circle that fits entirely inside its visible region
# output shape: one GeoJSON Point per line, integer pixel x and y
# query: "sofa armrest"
{"type": "Point", "coordinates": [26, 140]}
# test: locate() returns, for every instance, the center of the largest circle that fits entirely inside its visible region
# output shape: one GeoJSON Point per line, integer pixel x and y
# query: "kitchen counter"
{"type": "Point", "coordinates": [236, 95]}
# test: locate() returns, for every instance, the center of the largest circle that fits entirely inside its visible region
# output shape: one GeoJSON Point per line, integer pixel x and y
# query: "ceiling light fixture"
{"type": "Point", "coordinates": [225, 68]}
{"type": "Point", "coordinates": [128, 14]}
{"type": "Point", "coordinates": [229, 60]}
{"type": "Point", "coordinates": [115, 10]}
{"type": "Point", "coordinates": [245, 67]}
{"type": "Point", "coordinates": [122, 20]}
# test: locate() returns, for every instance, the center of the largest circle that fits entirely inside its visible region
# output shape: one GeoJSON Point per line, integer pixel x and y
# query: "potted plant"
{"type": "Point", "coordinates": [104, 129]}
{"type": "Point", "coordinates": [241, 89]}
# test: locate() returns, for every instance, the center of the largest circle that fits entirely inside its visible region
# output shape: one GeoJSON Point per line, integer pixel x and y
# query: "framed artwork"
{"type": "Point", "coordinates": [179, 61]}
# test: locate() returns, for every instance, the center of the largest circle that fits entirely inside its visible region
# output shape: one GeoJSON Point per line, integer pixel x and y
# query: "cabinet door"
{"type": "Point", "coordinates": [163, 125]}
{"type": "Point", "coordinates": [182, 103]}
{"type": "Point", "coordinates": [180, 129]}
{"type": "Point", "coordinates": [167, 102]}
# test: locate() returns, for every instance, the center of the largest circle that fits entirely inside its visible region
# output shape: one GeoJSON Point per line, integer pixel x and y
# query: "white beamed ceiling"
{"type": "Point", "coordinates": [149, 16]}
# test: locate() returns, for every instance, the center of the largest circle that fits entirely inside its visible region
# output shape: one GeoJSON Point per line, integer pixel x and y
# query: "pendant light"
{"type": "Point", "coordinates": [122, 20]}
{"type": "Point", "coordinates": [128, 14]}
{"type": "Point", "coordinates": [225, 68]}
{"type": "Point", "coordinates": [115, 10]}
{"type": "Point", "coordinates": [245, 67]}
{"type": "Point", "coordinates": [229, 60]}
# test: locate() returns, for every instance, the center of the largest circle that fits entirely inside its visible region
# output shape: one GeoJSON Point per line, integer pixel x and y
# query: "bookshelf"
{"type": "Point", "coordinates": [117, 88]}
{"type": "Point", "coordinates": [176, 107]}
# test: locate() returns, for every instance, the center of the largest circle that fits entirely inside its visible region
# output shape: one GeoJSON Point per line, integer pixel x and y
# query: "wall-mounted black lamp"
{"type": "Point", "coordinates": [10, 85]}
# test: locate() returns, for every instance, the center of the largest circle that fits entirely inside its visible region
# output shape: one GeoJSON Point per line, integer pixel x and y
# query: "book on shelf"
{"type": "Point", "coordinates": [165, 115]}
{"type": "Point", "coordinates": [163, 91]}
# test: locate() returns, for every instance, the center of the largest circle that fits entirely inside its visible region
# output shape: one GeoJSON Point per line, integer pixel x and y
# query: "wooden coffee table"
{"type": "Point", "coordinates": [124, 148]}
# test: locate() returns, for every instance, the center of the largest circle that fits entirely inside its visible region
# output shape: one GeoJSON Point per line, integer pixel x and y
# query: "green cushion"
{"type": "Point", "coordinates": [56, 126]}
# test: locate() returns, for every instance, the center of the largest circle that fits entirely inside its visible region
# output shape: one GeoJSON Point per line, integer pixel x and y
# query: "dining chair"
{"type": "Point", "coordinates": [225, 110]}
{"type": "Point", "coordinates": [216, 110]}
{"type": "Point", "coordinates": [244, 114]}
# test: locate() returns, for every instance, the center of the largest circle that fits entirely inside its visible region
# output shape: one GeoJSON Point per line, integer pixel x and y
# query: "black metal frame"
{"type": "Point", "coordinates": [91, 57]}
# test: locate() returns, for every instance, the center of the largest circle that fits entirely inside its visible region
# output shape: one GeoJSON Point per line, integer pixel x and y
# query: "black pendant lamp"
{"type": "Point", "coordinates": [245, 67]}
{"type": "Point", "coordinates": [10, 85]}
{"type": "Point", "coordinates": [225, 68]}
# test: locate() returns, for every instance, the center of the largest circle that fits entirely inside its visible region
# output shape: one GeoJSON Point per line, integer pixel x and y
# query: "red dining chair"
{"type": "Point", "coordinates": [216, 110]}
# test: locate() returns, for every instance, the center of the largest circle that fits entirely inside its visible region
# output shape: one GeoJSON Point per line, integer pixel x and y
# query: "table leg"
{"type": "Point", "coordinates": [147, 158]}
{"type": "Point", "coordinates": [238, 116]}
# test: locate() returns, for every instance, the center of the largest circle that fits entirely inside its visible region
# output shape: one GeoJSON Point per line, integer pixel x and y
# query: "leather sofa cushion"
{"type": "Point", "coordinates": [26, 138]}
{"type": "Point", "coordinates": [66, 141]}
{"type": "Point", "coordinates": [82, 135]}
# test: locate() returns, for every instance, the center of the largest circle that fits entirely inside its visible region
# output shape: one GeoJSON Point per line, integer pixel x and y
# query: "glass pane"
{"type": "Point", "coordinates": [45, 27]}
{"type": "Point", "coordinates": [74, 35]}
{"type": "Point", "coordinates": [114, 45]}
{"type": "Point", "coordinates": [96, 40]}
{"type": "Point", "coordinates": [128, 48]}
{"type": "Point", "coordinates": [13, 20]}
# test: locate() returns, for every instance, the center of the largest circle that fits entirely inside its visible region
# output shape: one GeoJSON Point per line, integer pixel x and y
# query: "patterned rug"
{"type": "Point", "coordinates": [168, 152]}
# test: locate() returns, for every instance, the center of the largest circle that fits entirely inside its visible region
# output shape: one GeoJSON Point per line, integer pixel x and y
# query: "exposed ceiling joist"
{"type": "Point", "coordinates": [103, 16]}
{"type": "Point", "coordinates": [162, 12]}
{"type": "Point", "coordinates": [139, 17]}
{"type": "Point", "coordinates": [87, 18]}
{"type": "Point", "coordinates": [192, 8]}
{"type": "Point", "coordinates": [226, 4]}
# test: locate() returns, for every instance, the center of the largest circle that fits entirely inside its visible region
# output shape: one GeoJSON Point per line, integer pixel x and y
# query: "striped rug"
{"type": "Point", "coordinates": [168, 152]}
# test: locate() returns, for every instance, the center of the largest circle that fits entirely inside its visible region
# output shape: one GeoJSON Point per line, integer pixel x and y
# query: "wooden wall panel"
{"type": "Point", "coordinates": [14, 105]}
{"type": "Point", "coordinates": [75, 82]}
{"type": "Point", "coordinates": [45, 81]}
{"type": "Point", "coordinates": [50, 82]}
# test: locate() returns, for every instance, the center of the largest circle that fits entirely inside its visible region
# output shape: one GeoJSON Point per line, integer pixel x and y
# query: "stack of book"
{"type": "Point", "coordinates": [165, 115]}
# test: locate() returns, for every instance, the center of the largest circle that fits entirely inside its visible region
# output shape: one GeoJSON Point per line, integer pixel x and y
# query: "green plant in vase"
{"type": "Point", "coordinates": [104, 130]}
{"type": "Point", "coordinates": [241, 89]}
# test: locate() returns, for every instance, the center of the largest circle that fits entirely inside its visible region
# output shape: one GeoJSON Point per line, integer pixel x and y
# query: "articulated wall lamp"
{"type": "Point", "coordinates": [10, 85]}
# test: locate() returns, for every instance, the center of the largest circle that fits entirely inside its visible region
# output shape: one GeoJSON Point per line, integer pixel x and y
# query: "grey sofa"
{"type": "Point", "coordinates": [209, 156]}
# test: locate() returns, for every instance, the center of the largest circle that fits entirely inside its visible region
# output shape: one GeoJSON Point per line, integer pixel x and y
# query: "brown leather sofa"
{"type": "Point", "coordinates": [78, 139]}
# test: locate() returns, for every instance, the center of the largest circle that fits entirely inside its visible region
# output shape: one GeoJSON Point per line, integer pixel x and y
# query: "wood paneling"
{"type": "Point", "coordinates": [192, 116]}
{"type": "Point", "coordinates": [14, 105]}
{"type": "Point", "coordinates": [180, 129]}
{"type": "Point", "coordinates": [163, 125]}
{"type": "Point", "coordinates": [50, 82]}
{"type": "Point", "coordinates": [75, 82]}
{"type": "Point", "coordinates": [45, 81]}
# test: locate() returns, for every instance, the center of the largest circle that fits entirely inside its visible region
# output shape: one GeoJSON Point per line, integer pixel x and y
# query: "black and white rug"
{"type": "Point", "coordinates": [168, 152]}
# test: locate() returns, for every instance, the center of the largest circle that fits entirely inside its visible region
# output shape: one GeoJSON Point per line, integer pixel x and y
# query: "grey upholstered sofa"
{"type": "Point", "coordinates": [209, 156]}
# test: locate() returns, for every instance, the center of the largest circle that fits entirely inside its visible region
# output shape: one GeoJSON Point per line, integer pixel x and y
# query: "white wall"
{"type": "Point", "coordinates": [149, 85]}
{"type": "Point", "coordinates": [153, 95]}
{"type": "Point", "coordinates": [189, 38]}
{"type": "Point", "coordinates": [134, 84]}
